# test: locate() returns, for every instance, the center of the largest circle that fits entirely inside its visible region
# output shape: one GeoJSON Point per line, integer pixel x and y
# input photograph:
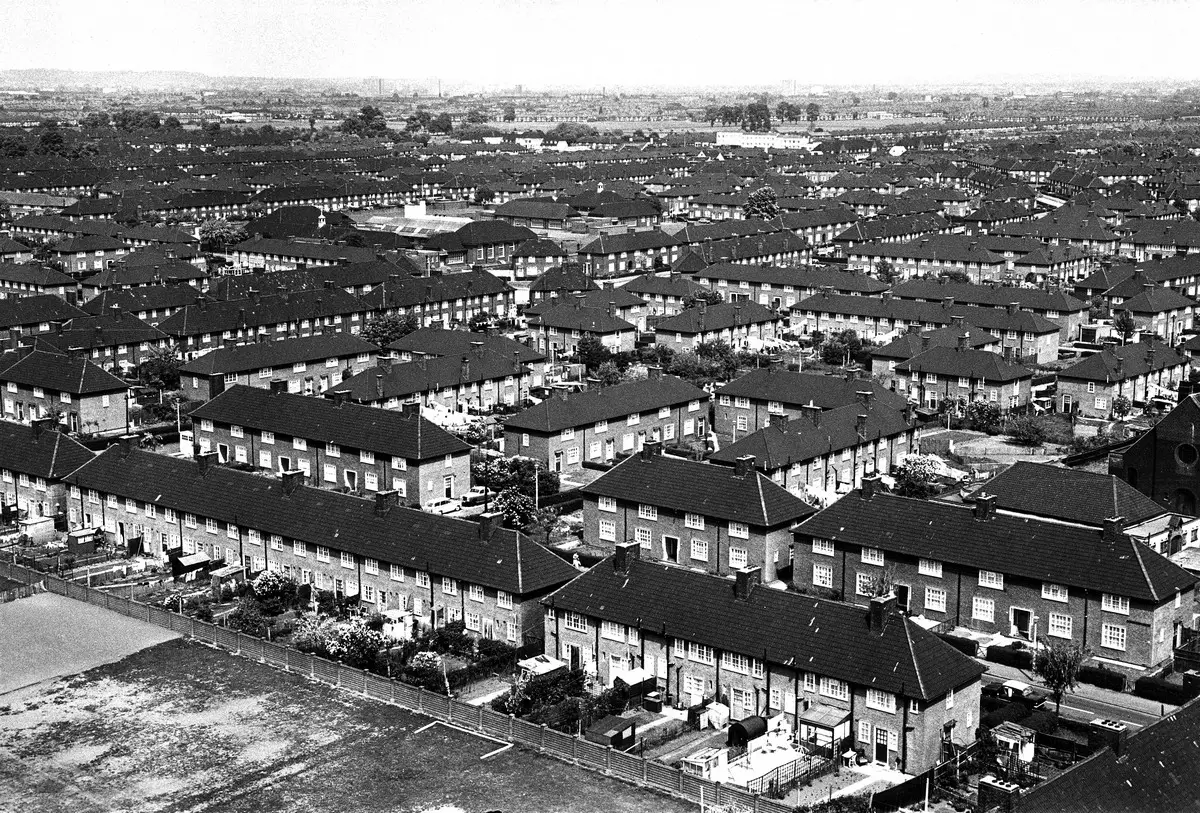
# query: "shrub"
{"type": "Point", "coordinates": [1162, 691]}
{"type": "Point", "coordinates": [274, 591]}
{"type": "Point", "coordinates": [1008, 713]}
{"type": "Point", "coordinates": [1012, 655]}
{"type": "Point", "coordinates": [1042, 720]}
{"type": "Point", "coordinates": [248, 617]}
{"type": "Point", "coordinates": [967, 646]}
{"type": "Point", "coordinates": [1027, 431]}
{"type": "Point", "coordinates": [1104, 678]}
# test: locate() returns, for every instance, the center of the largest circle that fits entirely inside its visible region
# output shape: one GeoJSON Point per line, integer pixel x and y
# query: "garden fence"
{"type": "Point", "coordinates": [477, 719]}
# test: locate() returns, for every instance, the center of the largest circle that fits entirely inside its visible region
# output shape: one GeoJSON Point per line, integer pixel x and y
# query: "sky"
{"type": "Point", "coordinates": [584, 43]}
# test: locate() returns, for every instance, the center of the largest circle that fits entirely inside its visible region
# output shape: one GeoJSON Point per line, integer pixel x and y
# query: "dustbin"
{"type": "Point", "coordinates": [653, 702]}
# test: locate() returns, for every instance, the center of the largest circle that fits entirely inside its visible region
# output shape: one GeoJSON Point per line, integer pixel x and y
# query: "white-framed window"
{"type": "Point", "coordinates": [736, 662]}
{"type": "Point", "coordinates": [300, 444]}
{"type": "Point", "coordinates": [421, 578]}
{"type": "Point", "coordinates": [723, 400]}
{"type": "Point", "coordinates": [664, 413]}
{"type": "Point", "coordinates": [1115, 604]}
{"type": "Point", "coordinates": [694, 521]}
{"type": "Point", "coordinates": [881, 701]}
{"type": "Point", "coordinates": [206, 425]}
{"type": "Point", "coordinates": [822, 547]}
{"type": "Point", "coordinates": [872, 556]}
{"type": "Point", "coordinates": [700, 549]}
{"type": "Point", "coordinates": [366, 457]}
{"type": "Point", "coordinates": [949, 699]}
{"type": "Point", "coordinates": [607, 504]}
{"type": "Point", "coordinates": [608, 530]}
{"type": "Point", "coordinates": [299, 549]}
{"type": "Point", "coordinates": [267, 438]}
{"type": "Point", "coordinates": [738, 558]}
{"type": "Point", "coordinates": [396, 573]}
{"type": "Point", "coordinates": [1059, 625]}
{"type": "Point", "coordinates": [935, 600]}
{"type": "Point", "coordinates": [930, 567]}
{"type": "Point", "coordinates": [633, 420]}
{"type": "Point", "coordinates": [983, 609]}
{"type": "Point", "coordinates": [475, 592]}
{"type": "Point", "coordinates": [601, 427]}
{"type": "Point", "coordinates": [1112, 636]}
{"type": "Point", "coordinates": [701, 653]}
{"type": "Point", "coordinates": [863, 584]}
{"type": "Point", "coordinates": [822, 575]}
{"type": "Point", "coordinates": [1091, 387]}
{"type": "Point", "coordinates": [236, 431]}
{"type": "Point", "coordinates": [525, 439]}
{"type": "Point", "coordinates": [643, 537]}
{"type": "Point", "coordinates": [649, 512]}
{"type": "Point", "coordinates": [837, 689]}
{"type": "Point", "coordinates": [568, 433]}
{"type": "Point", "coordinates": [741, 402]}
{"type": "Point", "coordinates": [210, 525]}
{"type": "Point", "coordinates": [347, 559]}
{"type": "Point", "coordinates": [742, 423]}
{"type": "Point", "coordinates": [449, 586]}
{"type": "Point", "coordinates": [575, 621]}
{"type": "Point", "coordinates": [504, 600]}
{"type": "Point", "coordinates": [775, 407]}
{"type": "Point", "coordinates": [330, 473]}
{"type": "Point", "coordinates": [1054, 592]}
{"type": "Point", "coordinates": [992, 579]}
{"type": "Point", "coordinates": [739, 530]}
{"type": "Point", "coordinates": [322, 553]}
{"type": "Point", "coordinates": [612, 631]}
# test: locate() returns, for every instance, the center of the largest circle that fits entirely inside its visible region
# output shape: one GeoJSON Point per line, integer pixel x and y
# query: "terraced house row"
{"type": "Point", "coordinates": [433, 568]}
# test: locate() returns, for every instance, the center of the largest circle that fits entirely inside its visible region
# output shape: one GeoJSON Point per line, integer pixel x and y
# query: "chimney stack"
{"type": "Point", "coordinates": [292, 479]}
{"type": "Point", "coordinates": [650, 449]}
{"type": "Point", "coordinates": [745, 581]}
{"type": "Point", "coordinates": [624, 555]}
{"type": "Point", "coordinates": [115, 312]}
{"type": "Point", "coordinates": [385, 501]}
{"type": "Point", "coordinates": [205, 461]}
{"type": "Point", "coordinates": [813, 412]}
{"type": "Point", "coordinates": [985, 506]}
{"type": "Point", "coordinates": [127, 442]}
{"type": "Point", "coordinates": [1013, 307]}
{"type": "Point", "coordinates": [864, 397]}
{"type": "Point", "coordinates": [882, 609]}
{"type": "Point", "coordinates": [870, 485]}
{"type": "Point", "coordinates": [466, 368]}
{"type": "Point", "coordinates": [1114, 529]}
{"type": "Point", "coordinates": [488, 523]}
{"type": "Point", "coordinates": [743, 466]}
{"type": "Point", "coordinates": [860, 425]}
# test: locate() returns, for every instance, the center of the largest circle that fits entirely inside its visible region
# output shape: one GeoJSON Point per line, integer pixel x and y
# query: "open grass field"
{"type": "Point", "coordinates": [179, 727]}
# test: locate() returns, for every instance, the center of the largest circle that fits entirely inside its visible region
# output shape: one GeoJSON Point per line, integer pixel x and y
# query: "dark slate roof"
{"type": "Point", "coordinates": [34, 310]}
{"type": "Point", "coordinates": [217, 317]}
{"type": "Point", "coordinates": [799, 440]}
{"type": "Point", "coordinates": [1155, 300]}
{"type": "Point", "coordinates": [250, 357]}
{"type": "Point", "coordinates": [1079, 496]}
{"type": "Point", "coordinates": [436, 341]}
{"type": "Point", "coordinates": [981, 365]}
{"type": "Point", "coordinates": [123, 274]}
{"type": "Point", "coordinates": [302, 249]}
{"type": "Point", "coordinates": [1019, 546]}
{"type": "Point", "coordinates": [409, 291]}
{"type": "Point", "coordinates": [58, 372]}
{"type": "Point", "coordinates": [1155, 771]}
{"type": "Point", "coordinates": [145, 298]}
{"type": "Point", "coordinates": [797, 389]}
{"type": "Point", "coordinates": [34, 274]}
{"type": "Point", "coordinates": [351, 426]}
{"type": "Point", "coordinates": [715, 491]}
{"type": "Point", "coordinates": [599, 298]}
{"type": "Point", "coordinates": [716, 317]}
{"type": "Point", "coordinates": [539, 248]}
{"type": "Point", "coordinates": [582, 408]}
{"type": "Point", "coordinates": [479, 233]}
{"type": "Point", "coordinates": [538, 208]}
{"type": "Point", "coordinates": [912, 343]}
{"type": "Point", "coordinates": [49, 454]}
{"type": "Point", "coordinates": [441, 545]}
{"type": "Point", "coordinates": [1132, 359]}
{"type": "Point", "coordinates": [427, 374]}
{"type": "Point", "coordinates": [676, 285]}
{"type": "Point", "coordinates": [841, 281]}
{"type": "Point", "coordinates": [989, 295]}
{"type": "Point", "coordinates": [576, 317]}
{"type": "Point", "coordinates": [103, 330]}
{"type": "Point", "coordinates": [908, 310]}
{"type": "Point", "coordinates": [88, 242]}
{"type": "Point", "coordinates": [827, 638]}
{"type": "Point", "coordinates": [636, 241]}
{"type": "Point", "coordinates": [563, 278]}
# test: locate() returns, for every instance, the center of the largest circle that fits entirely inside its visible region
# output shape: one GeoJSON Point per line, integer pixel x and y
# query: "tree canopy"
{"type": "Point", "coordinates": [383, 330]}
{"type": "Point", "coordinates": [368, 122]}
{"type": "Point", "coordinates": [761, 203]}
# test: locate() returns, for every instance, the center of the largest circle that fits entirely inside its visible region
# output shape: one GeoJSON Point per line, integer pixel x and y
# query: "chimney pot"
{"type": "Point", "coordinates": [650, 449]}
{"type": "Point", "coordinates": [985, 506]}
{"type": "Point", "coordinates": [745, 580]}
{"type": "Point", "coordinates": [870, 486]}
{"type": "Point", "coordinates": [1114, 529]}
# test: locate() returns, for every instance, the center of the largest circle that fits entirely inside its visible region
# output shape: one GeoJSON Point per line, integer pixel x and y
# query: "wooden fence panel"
{"type": "Point", "coordinates": [227, 639]}
{"type": "Point", "coordinates": [203, 631]}
{"type": "Point", "coordinates": [325, 671]}
{"type": "Point", "coordinates": [495, 724]}
{"type": "Point", "coordinates": [299, 661]}
{"type": "Point", "coordinates": [274, 654]}
{"type": "Point", "coordinates": [379, 687]}
{"type": "Point", "coordinates": [626, 766]}
{"type": "Point", "coordinates": [351, 679]}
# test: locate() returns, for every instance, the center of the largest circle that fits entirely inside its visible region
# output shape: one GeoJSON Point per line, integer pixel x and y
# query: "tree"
{"type": "Point", "coordinates": [758, 117]}
{"type": "Point", "coordinates": [1058, 665]}
{"type": "Point", "coordinates": [1026, 431]}
{"type": "Point", "coordinates": [359, 644]}
{"type": "Point", "coordinates": [1121, 406]}
{"type": "Point", "coordinates": [707, 296]}
{"type": "Point", "coordinates": [247, 617]}
{"type": "Point", "coordinates": [721, 356]}
{"type": "Point", "coordinates": [917, 476]}
{"type": "Point", "coordinates": [50, 139]}
{"type": "Point", "coordinates": [841, 348]}
{"type": "Point", "coordinates": [761, 203]}
{"type": "Point", "coordinates": [1125, 325]}
{"type": "Point", "coordinates": [420, 120]}
{"type": "Point", "coordinates": [218, 234]}
{"type": "Point", "coordinates": [956, 275]}
{"type": "Point", "coordinates": [517, 508]}
{"type": "Point", "coordinates": [172, 122]}
{"type": "Point", "coordinates": [383, 330]}
{"type": "Point", "coordinates": [609, 374]}
{"type": "Point", "coordinates": [591, 352]}
{"type": "Point", "coordinates": [95, 120]}
{"type": "Point", "coordinates": [477, 117]}
{"type": "Point", "coordinates": [275, 591]}
{"type": "Point", "coordinates": [441, 124]}
{"type": "Point", "coordinates": [510, 113]}
{"type": "Point", "coordinates": [984, 415]}
{"type": "Point", "coordinates": [812, 112]}
{"type": "Point", "coordinates": [886, 272]}
{"type": "Point", "coordinates": [160, 368]}
{"type": "Point", "coordinates": [711, 114]}
{"type": "Point", "coordinates": [893, 96]}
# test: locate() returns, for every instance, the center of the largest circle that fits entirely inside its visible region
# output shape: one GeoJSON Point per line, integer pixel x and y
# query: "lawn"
{"type": "Point", "coordinates": [181, 727]}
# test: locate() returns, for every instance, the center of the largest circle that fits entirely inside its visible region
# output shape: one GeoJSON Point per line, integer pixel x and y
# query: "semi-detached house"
{"type": "Point", "coordinates": [718, 519]}
{"type": "Point", "coordinates": [337, 445]}
{"type": "Point", "coordinates": [42, 383]}
{"type": "Point", "coordinates": [34, 459]}
{"type": "Point", "coordinates": [435, 569]}
{"type": "Point", "coordinates": [952, 373]}
{"type": "Point", "coordinates": [845, 676]}
{"type": "Point", "coordinates": [443, 299]}
{"type": "Point", "coordinates": [994, 573]}
{"type": "Point", "coordinates": [477, 380]}
{"type": "Point", "coordinates": [1138, 372]}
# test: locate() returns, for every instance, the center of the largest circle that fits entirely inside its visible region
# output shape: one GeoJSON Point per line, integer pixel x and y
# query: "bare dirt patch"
{"type": "Point", "coordinates": [180, 727]}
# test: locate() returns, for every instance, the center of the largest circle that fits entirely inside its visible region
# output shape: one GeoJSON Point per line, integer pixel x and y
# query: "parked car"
{"type": "Point", "coordinates": [444, 505]}
{"type": "Point", "coordinates": [477, 496]}
{"type": "Point", "coordinates": [1016, 691]}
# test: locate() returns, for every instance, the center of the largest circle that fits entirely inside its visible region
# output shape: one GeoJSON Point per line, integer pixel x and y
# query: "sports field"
{"type": "Point", "coordinates": [180, 727]}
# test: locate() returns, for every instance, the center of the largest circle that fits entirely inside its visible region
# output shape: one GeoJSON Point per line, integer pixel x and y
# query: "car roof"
{"type": "Point", "coordinates": [1017, 684]}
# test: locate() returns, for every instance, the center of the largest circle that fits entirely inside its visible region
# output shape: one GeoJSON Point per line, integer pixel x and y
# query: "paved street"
{"type": "Point", "coordinates": [1088, 702]}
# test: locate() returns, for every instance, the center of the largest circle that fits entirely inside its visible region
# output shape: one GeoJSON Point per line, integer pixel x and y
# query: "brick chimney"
{"type": "Point", "coordinates": [292, 479]}
{"type": "Point", "coordinates": [743, 466]}
{"type": "Point", "coordinates": [870, 486]}
{"type": "Point", "coordinates": [488, 523]}
{"type": "Point", "coordinates": [985, 506]}
{"type": "Point", "coordinates": [813, 412]}
{"type": "Point", "coordinates": [127, 443]}
{"type": "Point", "coordinates": [1114, 529]}
{"type": "Point", "coordinates": [864, 397]}
{"type": "Point", "coordinates": [860, 425]}
{"type": "Point", "coordinates": [385, 501]}
{"type": "Point", "coordinates": [625, 554]}
{"type": "Point", "coordinates": [745, 580]}
{"type": "Point", "coordinates": [882, 609]}
{"type": "Point", "coordinates": [206, 461]}
{"type": "Point", "coordinates": [1013, 307]}
{"type": "Point", "coordinates": [651, 449]}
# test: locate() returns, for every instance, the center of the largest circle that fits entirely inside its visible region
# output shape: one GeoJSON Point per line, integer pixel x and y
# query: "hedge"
{"type": "Point", "coordinates": [1010, 656]}
{"type": "Point", "coordinates": [967, 646]}
{"type": "Point", "coordinates": [1162, 691]}
{"type": "Point", "coordinates": [1104, 678]}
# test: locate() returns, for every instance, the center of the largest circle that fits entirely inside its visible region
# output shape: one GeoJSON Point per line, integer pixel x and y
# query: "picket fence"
{"type": "Point", "coordinates": [568, 748]}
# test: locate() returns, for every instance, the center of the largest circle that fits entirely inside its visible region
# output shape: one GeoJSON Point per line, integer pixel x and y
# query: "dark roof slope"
{"type": "Point", "coordinates": [1019, 546]}
{"type": "Point", "coordinates": [436, 341]}
{"type": "Point", "coordinates": [243, 357]}
{"type": "Point", "coordinates": [799, 389]}
{"type": "Point", "coordinates": [721, 316]}
{"type": "Point", "coordinates": [404, 536]}
{"type": "Point", "coordinates": [828, 638]}
{"type": "Point", "coordinates": [982, 365]}
{"type": "Point", "coordinates": [715, 491]}
{"type": "Point", "coordinates": [58, 372]}
{"type": "Point", "coordinates": [32, 310]}
{"type": "Point", "coordinates": [1121, 363]}
{"type": "Point", "coordinates": [578, 409]}
{"type": "Point", "coordinates": [40, 453]}
{"type": "Point", "coordinates": [1079, 496]}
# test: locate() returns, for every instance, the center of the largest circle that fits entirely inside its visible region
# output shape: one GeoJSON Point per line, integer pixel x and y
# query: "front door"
{"type": "Point", "coordinates": [671, 548]}
{"type": "Point", "coordinates": [881, 745]}
{"type": "Point", "coordinates": [574, 657]}
{"type": "Point", "coordinates": [448, 486]}
{"type": "Point", "coordinates": [556, 463]}
{"type": "Point", "coordinates": [902, 596]}
{"type": "Point", "coordinates": [1020, 622]}
{"type": "Point", "coordinates": [610, 449]}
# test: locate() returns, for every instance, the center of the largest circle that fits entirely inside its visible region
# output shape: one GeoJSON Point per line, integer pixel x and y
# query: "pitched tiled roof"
{"type": "Point", "coordinates": [909, 310]}
{"type": "Point", "coordinates": [912, 343]}
{"type": "Point", "coordinates": [436, 341]}
{"type": "Point", "coordinates": [40, 453]}
{"type": "Point", "coordinates": [58, 372]}
{"type": "Point", "coordinates": [563, 278]}
{"type": "Point", "coordinates": [841, 281]}
{"type": "Point", "coordinates": [428, 374]}
{"type": "Point", "coordinates": [827, 638]}
{"type": "Point", "coordinates": [715, 491]}
{"type": "Point", "coordinates": [217, 317]}
{"type": "Point", "coordinates": [1156, 300]}
{"type": "Point", "coordinates": [648, 285]}
{"type": "Point", "coordinates": [636, 241]}
{"type": "Point", "coordinates": [480, 233]}
{"type": "Point", "coordinates": [579, 409]}
{"type": "Point", "coordinates": [409, 291]}
{"type": "Point", "coordinates": [716, 317]}
{"type": "Point", "coordinates": [1121, 363]}
{"type": "Point", "coordinates": [989, 295]}
{"type": "Point", "coordinates": [980, 365]}
{"type": "Point", "coordinates": [34, 274]}
{"type": "Point", "coordinates": [1079, 496]}
{"type": "Point", "coordinates": [33, 310]}
{"type": "Point", "coordinates": [304, 249]}
{"type": "Point", "coordinates": [253, 357]}
{"type": "Point", "coordinates": [353, 426]}
{"type": "Point", "coordinates": [145, 298]}
{"type": "Point", "coordinates": [440, 545]}
{"type": "Point", "coordinates": [576, 317]}
{"type": "Point", "coordinates": [1019, 546]}
{"type": "Point", "coordinates": [797, 389]}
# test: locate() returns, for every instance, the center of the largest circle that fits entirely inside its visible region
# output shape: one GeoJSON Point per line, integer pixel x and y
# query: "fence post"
{"type": "Point", "coordinates": [608, 759]}
{"type": "Point", "coordinates": [680, 781]}
{"type": "Point", "coordinates": [542, 746]}
{"type": "Point", "coordinates": [192, 628]}
{"type": "Point", "coordinates": [510, 728]}
{"type": "Point", "coordinates": [421, 698]}
{"type": "Point", "coordinates": [756, 798]}
{"type": "Point", "coordinates": [481, 718]}
{"type": "Point", "coordinates": [449, 709]}
{"type": "Point", "coordinates": [575, 750]}
{"type": "Point", "coordinates": [644, 770]}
